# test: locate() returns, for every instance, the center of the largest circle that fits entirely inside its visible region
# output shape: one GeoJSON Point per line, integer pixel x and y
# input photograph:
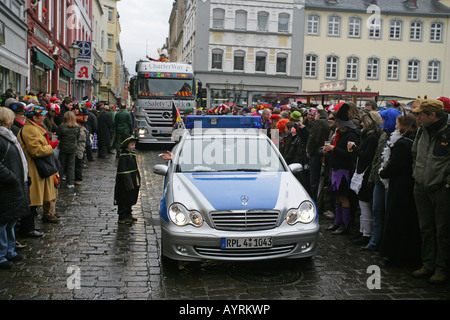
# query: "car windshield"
{"type": "Point", "coordinates": [221, 154]}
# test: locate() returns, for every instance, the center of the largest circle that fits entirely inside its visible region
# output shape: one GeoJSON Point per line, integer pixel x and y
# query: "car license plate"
{"type": "Point", "coordinates": [245, 243]}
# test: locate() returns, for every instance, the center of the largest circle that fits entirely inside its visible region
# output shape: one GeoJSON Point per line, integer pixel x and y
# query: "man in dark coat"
{"type": "Point", "coordinates": [319, 130]}
{"type": "Point", "coordinates": [105, 125]}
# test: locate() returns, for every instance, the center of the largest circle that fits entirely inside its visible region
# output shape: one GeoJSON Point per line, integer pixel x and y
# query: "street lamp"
{"type": "Point", "coordinates": [354, 89]}
{"type": "Point", "coordinates": [74, 52]}
{"type": "Point", "coordinates": [240, 86]}
{"type": "Point", "coordinates": [99, 76]}
{"type": "Point", "coordinates": [109, 86]}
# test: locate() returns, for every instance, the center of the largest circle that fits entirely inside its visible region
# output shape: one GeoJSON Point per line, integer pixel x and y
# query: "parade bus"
{"type": "Point", "coordinates": [158, 90]}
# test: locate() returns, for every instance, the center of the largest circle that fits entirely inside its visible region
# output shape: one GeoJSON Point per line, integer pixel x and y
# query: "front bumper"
{"type": "Point", "coordinates": [194, 244]}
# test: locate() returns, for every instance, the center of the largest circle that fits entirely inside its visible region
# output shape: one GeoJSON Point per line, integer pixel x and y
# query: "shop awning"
{"type": "Point", "coordinates": [43, 58]}
{"type": "Point", "coordinates": [67, 73]}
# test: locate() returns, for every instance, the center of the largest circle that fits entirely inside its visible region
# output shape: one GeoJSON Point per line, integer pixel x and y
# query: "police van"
{"type": "Point", "coordinates": [229, 195]}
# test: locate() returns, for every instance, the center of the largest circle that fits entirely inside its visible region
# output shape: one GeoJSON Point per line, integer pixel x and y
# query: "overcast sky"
{"type": "Point", "coordinates": [145, 27]}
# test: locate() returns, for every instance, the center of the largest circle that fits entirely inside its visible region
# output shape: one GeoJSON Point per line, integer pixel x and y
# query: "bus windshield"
{"type": "Point", "coordinates": [172, 88]}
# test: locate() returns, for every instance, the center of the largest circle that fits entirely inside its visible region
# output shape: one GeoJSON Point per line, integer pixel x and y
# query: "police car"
{"type": "Point", "coordinates": [229, 195]}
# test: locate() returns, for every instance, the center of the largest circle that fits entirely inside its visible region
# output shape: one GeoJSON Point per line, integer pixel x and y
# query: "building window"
{"type": "Point", "coordinates": [434, 70]}
{"type": "Point", "coordinates": [260, 65]}
{"type": "Point", "coordinates": [415, 31]}
{"type": "Point", "coordinates": [282, 63]}
{"type": "Point", "coordinates": [239, 57]}
{"type": "Point", "coordinates": [2, 33]}
{"type": "Point", "coordinates": [374, 29]}
{"type": "Point", "coordinates": [241, 20]}
{"type": "Point", "coordinates": [263, 21]}
{"type": "Point", "coordinates": [107, 70]}
{"type": "Point", "coordinates": [217, 56]}
{"type": "Point", "coordinates": [218, 18]}
{"type": "Point", "coordinates": [436, 32]}
{"type": "Point", "coordinates": [393, 69]}
{"type": "Point", "coordinates": [334, 26]}
{"type": "Point", "coordinates": [311, 66]}
{"type": "Point", "coordinates": [395, 30]}
{"type": "Point", "coordinates": [110, 41]}
{"type": "Point", "coordinates": [110, 14]}
{"type": "Point", "coordinates": [354, 27]}
{"type": "Point", "coordinates": [313, 25]}
{"type": "Point", "coordinates": [332, 67]}
{"type": "Point", "coordinates": [413, 70]}
{"type": "Point", "coordinates": [352, 68]}
{"type": "Point", "coordinates": [373, 67]}
{"type": "Point", "coordinates": [283, 22]}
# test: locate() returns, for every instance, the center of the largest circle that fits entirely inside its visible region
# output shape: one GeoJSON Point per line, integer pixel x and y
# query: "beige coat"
{"type": "Point", "coordinates": [35, 145]}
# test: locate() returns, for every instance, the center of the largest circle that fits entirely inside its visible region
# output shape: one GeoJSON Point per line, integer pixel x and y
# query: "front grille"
{"type": "Point", "coordinates": [159, 117]}
{"type": "Point", "coordinates": [244, 253]}
{"type": "Point", "coordinates": [245, 220]}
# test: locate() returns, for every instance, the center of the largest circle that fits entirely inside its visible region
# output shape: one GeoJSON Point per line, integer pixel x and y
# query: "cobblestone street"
{"type": "Point", "coordinates": [122, 262]}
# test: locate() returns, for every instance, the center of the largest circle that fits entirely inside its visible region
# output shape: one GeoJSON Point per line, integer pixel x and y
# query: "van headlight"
{"type": "Point", "coordinates": [305, 213]}
{"type": "Point", "coordinates": [180, 216]}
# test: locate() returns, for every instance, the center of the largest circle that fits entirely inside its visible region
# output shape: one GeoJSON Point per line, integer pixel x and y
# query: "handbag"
{"type": "Point", "coordinates": [46, 166]}
{"type": "Point", "coordinates": [357, 180]}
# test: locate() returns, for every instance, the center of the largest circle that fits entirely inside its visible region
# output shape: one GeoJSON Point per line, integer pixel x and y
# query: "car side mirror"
{"type": "Point", "coordinates": [160, 169]}
{"type": "Point", "coordinates": [296, 168]}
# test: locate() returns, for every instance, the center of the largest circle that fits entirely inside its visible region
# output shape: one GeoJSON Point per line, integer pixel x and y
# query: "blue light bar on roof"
{"type": "Point", "coordinates": [224, 122]}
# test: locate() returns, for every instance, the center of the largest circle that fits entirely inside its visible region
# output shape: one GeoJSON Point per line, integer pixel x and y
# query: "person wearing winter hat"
{"type": "Point", "coordinates": [296, 116]}
{"type": "Point", "coordinates": [389, 117]}
{"type": "Point", "coordinates": [36, 143]}
{"type": "Point", "coordinates": [19, 120]}
{"type": "Point", "coordinates": [128, 180]}
{"type": "Point", "coordinates": [341, 162]}
{"type": "Point", "coordinates": [446, 103]}
{"type": "Point", "coordinates": [49, 121]}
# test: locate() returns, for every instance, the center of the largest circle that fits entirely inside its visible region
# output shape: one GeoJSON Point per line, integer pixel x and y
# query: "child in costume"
{"type": "Point", "coordinates": [128, 180]}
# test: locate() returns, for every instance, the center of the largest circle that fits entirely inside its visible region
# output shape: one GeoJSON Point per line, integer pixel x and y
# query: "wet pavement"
{"type": "Point", "coordinates": [89, 256]}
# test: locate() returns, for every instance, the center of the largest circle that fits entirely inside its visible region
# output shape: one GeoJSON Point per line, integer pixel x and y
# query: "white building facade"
{"type": "Point", "coordinates": [243, 50]}
{"type": "Point", "coordinates": [393, 47]}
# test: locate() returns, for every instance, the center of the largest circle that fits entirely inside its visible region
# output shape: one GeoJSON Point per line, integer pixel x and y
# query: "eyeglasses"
{"type": "Point", "coordinates": [332, 118]}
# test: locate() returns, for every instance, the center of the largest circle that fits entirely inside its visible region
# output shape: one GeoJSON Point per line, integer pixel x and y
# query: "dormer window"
{"type": "Point", "coordinates": [412, 4]}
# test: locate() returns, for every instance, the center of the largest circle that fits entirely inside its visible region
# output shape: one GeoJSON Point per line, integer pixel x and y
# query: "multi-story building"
{"type": "Point", "coordinates": [243, 49]}
{"type": "Point", "coordinates": [110, 49]}
{"type": "Point", "coordinates": [82, 31]}
{"type": "Point", "coordinates": [53, 26]}
{"type": "Point", "coordinates": [175, 39]}
{"type": "Point", "coordinates": [13, 46]}
{"type": "Point", "coordinates": [394, 47]}
{"type": "Point", "coordinates": [98, 47]}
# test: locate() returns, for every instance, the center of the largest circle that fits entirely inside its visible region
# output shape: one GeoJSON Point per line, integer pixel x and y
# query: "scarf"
{"type": "Point", "coordinates": [9, 135]}
{"type": "Point", "coordinates": [386, 154]}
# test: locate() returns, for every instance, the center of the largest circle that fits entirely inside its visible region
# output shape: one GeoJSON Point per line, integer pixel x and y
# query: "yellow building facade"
{"type": "Point", "coordinates": [394, 51]}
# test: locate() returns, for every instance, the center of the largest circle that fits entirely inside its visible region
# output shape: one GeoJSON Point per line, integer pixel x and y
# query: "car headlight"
{"type": "Point", "coordinates": [304, 214]}
{"type": "Point", "coordinates": [180, 216]}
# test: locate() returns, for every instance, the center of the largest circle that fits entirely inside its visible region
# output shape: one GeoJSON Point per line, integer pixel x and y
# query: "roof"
{"type": "Point", "coordinates": [397, 7]}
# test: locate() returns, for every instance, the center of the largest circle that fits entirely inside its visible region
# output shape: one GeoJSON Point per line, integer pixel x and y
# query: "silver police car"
{"type": "Point", "coordinates": [229, 195]}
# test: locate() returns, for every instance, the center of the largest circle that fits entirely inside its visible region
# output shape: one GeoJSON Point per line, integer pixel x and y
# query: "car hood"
{"type": "Point", "coordinates": [238, 191]}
